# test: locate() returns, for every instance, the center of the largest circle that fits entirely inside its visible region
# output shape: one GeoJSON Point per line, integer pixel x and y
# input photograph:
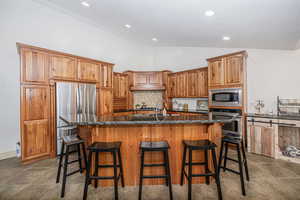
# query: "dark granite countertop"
{"type": "Point", "coordinates": [269, 116]}
{"type": "Point", "coordinates": [136, 119]}
{"type": "Point", "coordinates": [153, 109]}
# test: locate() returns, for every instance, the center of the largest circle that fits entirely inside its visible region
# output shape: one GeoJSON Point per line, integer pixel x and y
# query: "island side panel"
{"type": "Point", "coordinates": [132, 135]}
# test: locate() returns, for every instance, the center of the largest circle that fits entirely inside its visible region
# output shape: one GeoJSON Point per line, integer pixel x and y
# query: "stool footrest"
{"type": "Point", "coordinates": [199, 175]}
{"type": "Point", "coordinates": [157, 176]}
{"type": "Point", "coordinates": [196, 163]}
{"type": "Point", "coordinates": [73, 161]}
{"type": "Point", "coordinates": [107, 166]}
{"type": "Point", "coordinates": [73, 172]}
{"type": "Point", "coordinates": [231, 170]}
{"type": "Point", "coordinates": [154, 165]}
{"type": "Point", "coordinates": [104, 177]}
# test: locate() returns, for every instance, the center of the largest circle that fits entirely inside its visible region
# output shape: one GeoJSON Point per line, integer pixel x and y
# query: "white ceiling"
{"type": "Point", "coordinates": [267, 24]}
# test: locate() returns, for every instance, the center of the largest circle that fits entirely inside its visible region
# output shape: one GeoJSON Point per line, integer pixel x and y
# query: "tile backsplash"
{"type": "Point", "coordinates": [192, 102]}
{"type": "Point", "coordinates": [151, 98]}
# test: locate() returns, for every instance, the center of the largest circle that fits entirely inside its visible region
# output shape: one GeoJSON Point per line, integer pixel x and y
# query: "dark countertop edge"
{"type": "Point", "coordinates": [182, 111]}
{"type": "Point", "coordinates": [268, 116]}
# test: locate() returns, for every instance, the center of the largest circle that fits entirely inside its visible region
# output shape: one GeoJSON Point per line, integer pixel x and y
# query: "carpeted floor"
{"type": "Point", "coordinates": [269, 179]}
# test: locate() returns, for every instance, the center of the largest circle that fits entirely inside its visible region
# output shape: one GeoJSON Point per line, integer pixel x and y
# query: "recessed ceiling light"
{"type": "Point", "coordinates": [226, 38]}
{"type": "Point", "coordinates": [86, 4]}
{"type": "Point", "coordinates": [209, 13]}
{"type": "Point", "coordinates": [154, 39]}
{"type": "Point", "coordinates": [127, 25]}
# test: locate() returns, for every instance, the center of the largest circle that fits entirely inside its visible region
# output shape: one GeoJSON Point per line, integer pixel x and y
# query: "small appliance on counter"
{"type": "Point", "coordinates": [202, 105]}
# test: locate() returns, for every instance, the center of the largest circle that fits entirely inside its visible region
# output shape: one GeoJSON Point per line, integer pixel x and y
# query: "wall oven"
{"type": "Point", "coordinates": [230, 97]}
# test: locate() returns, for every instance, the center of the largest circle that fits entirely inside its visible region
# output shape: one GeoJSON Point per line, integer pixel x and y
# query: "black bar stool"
{"type": "Point", "coordinates": [72, 144]}
{"type": "Point", "coordinates": [203, 145]}
{"type": "Point", "coordinates": [96, 148]}
{"type": "Point", "coordinates": [238, 144]}
{"type": "Point", "coordinates": [162, 146]}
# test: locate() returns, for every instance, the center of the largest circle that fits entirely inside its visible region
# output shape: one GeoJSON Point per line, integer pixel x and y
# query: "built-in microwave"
{"type": "Point", "coordinates": [229, 97]}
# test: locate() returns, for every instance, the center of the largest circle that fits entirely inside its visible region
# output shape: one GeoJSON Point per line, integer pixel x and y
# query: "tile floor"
{"type": "Point", "coordinates": [269, 179]}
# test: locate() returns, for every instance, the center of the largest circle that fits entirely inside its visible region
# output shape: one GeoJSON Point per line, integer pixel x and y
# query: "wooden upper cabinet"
{"type": "Point", "coordinates": [216, 73]}
{"type": "Point", "coordinates": [34, 66]}
{"type": "Point", "coordinates": [233, 70]}
{"type": "Point", "coordinates": [106, 75]}
{"type": "Point", "coordinates": [148, 81]}
{"type": "Point", "coordinates": [202, 83]}
{"type": "Point", "coordinates": [88, 71]}
{"type": "Point", "coordinates": [171, 87]}
{"type": "Point", "coordinates": [181, 84]}
{"type": "Point", "coordinates": [35, 121]}
{"type": "Point", "coordinates": [192, 83]}
{"type": "Point", "coordinates": [227, 71]}
{"type": "Point", "coordinates": [63, 67]}
{"type": "Point", "coordinates": [120, 85]}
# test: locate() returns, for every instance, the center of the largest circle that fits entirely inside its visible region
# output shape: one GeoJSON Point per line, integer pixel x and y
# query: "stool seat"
{"type": "Point", "coordinates": [232, 140]}
{"type": "Point", "coordinates": [160, 145]}
{"type": "Point", "coordinates": [72, 139]}
{"type": "Point", "coordinates": [199, 144]}
{"type": "Point", "coordinates": [105, 146]}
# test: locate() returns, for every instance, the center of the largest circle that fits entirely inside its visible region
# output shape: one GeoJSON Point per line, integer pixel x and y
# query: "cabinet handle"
{"type": "Point", "coordinates": [271, 122]}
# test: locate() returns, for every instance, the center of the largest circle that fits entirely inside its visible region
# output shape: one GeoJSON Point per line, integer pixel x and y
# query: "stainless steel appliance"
{"type": "Point", "coordinates": [233, 128]}
{"type": "Point", "coordinates": [228, 97]}
{"type": "Point", "coordinates": [73, 99]}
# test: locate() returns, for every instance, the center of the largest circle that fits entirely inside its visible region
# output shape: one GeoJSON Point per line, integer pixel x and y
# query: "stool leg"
{"type": "Point", "coordinates": [166, 168]}
{"type": "Point", "coordinates": [96, 165]}
{"type": "Point", "coordinates": [60, 162]}
{"type": "Point", "coordinates": [214, 157]}
{"type": "Point", "coordinates": [245, 161]}
{"type": "Point", "coordinates": [166, 154]}
{"type": "Point", "coordinates": [141, 176]}
{"type": "Point", "coordinates": [225, 157]}
{"type": "Point", "coordinates": [121, 168]}
{"type": "Point", "coordinates": [87, 176]}
{"type": "Point", "coordinates": [183, 165]}
{"type": "Point", "coordinates": [206, 166]}
{"type": "Point", "coordinates": [79, 158]}
{"type": "Point", "coordinates": [115, 175]}
{"type": "Point", "coordinates": [241, 170]}
{"type": "Point", "coordinates": [190, 175]}
{"type": "Point", "coordinates": [220, 157]}
{"type": "Point", "coordinates": [65, 172]}
{"type": "Point", "coordinates": [84, 154]}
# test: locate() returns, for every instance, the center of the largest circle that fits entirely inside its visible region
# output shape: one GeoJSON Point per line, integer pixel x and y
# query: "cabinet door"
{"type": "Point", "coordinates": [216, 73]}
{"type": "Point", "coordinates": [181, 83]}
{"type": "Point", "coordinates": [171, 85]}
{"type": "Point", "coordinates": [116, 85]}
{"type": "Point", "coordinates": [88, 71]}
{"type": "Point", "coordinates": [261, 138]}
{"type": "Point", "coordinates": [105, 101]}
{"type": "Point", "coordinates": [35, 122]}
{"type": "Point", "coordinates": [62, 67]}
{"type": "Point", "coordinates": [192, 84]}
{"type": "Point", "coordinates": [233, 70]}
{"type": "Point", "coordinates": [155, 79]}
{"type": "Point", "coordinates": [123, 86]}
{"type": "Point", "coordinates": [34, 67]}
{"type": "Point", "coordinates": [140, 79]}
{"type": "Point", "coordinates": [202, 83]}
{"type": "Point", "coordinates": [106, 75]}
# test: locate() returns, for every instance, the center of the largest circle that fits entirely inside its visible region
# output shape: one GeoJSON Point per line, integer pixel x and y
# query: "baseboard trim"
{"type": "Point", "coordinates": [8, 154]}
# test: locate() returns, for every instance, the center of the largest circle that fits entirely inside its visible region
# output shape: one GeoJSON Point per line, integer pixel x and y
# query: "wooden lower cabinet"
{"type": "Point", "coordinates": [35, 122]}
{"type": "Point", "coordinates": [261, 137]}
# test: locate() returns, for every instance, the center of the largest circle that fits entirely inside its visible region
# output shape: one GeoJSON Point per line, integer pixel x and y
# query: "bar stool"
{"type": "Point", "coordinates": [203, 145]}
{"type": "Point", "coordinates": [238, 144]}
{"type": "Point", "coordinates": [96, 148]}
{"type": "Point", "coordinates": [163, 147]}
{"type": "Point", "coordinates": [70, 142]}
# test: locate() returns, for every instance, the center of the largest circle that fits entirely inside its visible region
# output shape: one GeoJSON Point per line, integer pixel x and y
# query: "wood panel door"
{"type": "Point", "coordinates": [88, 71]}
{"type": "Point", "coordinates": [202, 83]}
{"type": "Point", "coordinates": [123, 86]}
{"type": "Point", "coordinates": [181, 84]}
{"type": "Point", "coordinates": [63, 67]}
{"type": "Point", "coordinates": [34, 66]}
{"type": "Point", "coordinates": [155, 79]}
{"type": "Point", "coordinates": [106, 76]}
{"type": "Point", "coordinates": [216, 73]}
{"type": "Point", "coordinates": [140, 79]}
{"type": "Point", "coordinates": [172, 85]}
{"type": "Point", "coordinates": [192, 84]}
{"type": "Point", "coordinates": [234, 70]}
{"type": "Point", "coordinates": [35, 122]}
{"type": "Point", "coordinates": [105, 101]}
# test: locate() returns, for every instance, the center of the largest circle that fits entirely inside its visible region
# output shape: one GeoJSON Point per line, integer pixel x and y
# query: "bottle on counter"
{"type": "Point", "coordinates": [164, 112]}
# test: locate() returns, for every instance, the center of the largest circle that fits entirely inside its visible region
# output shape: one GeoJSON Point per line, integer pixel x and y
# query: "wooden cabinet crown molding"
{"type": "Point", "coordinates": [244, 53]}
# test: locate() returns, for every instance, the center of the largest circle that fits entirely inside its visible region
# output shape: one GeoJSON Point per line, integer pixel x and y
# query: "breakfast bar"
{"type": "Point", "coordinates": [130, 130]}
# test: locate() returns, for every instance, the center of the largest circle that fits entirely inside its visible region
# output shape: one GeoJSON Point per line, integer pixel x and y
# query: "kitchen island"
{"type": "Point", "coordinates": [132, 129]}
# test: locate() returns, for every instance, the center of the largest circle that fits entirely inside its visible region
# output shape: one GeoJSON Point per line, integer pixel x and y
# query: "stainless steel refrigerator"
{"type": "Point", "coordinates": [73, 99]}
